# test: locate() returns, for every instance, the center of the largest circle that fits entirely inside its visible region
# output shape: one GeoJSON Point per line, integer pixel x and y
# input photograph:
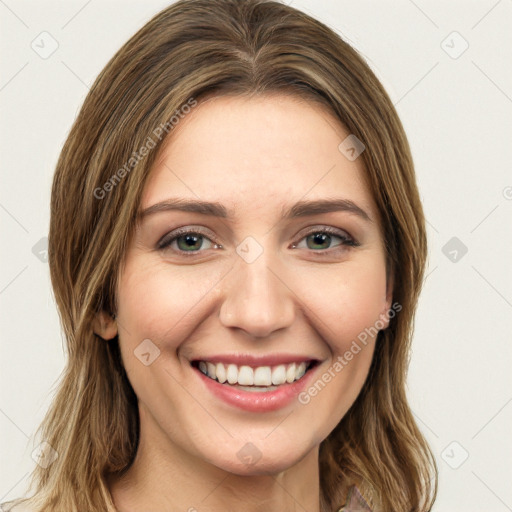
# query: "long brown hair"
{"type": "Point", "coordinates": [191, 50]}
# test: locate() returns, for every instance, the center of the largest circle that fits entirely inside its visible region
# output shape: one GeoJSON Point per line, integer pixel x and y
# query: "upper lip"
{"type": "Point", "coordinates": [254, 360]}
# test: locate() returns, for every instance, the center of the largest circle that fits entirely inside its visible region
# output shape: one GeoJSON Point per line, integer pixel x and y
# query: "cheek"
{"type": "Point", "coordinates": [161, 304]}
{"type": "Point", "coordinates": [165, 305]}
{"type": "Point", "coordinates": [347, 301]}
{"type": "Point", "coordinates": [347, 313]}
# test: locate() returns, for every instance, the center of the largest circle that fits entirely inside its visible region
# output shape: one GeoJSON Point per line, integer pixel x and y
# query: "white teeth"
{"type": "Point", "coordinates": [211, 370]}
{"type": "Point", "coordinates": [245, 376]}
{"type": "Point", "coordinates": [263, 376]}
{"type": "Point", "coordinates": [221, 373]}
{"type": "Point", "coordinates": [279, 375]}
{"type": "Point", "coordinates": [232, 374]}
{"type": "Point", "coordinates": [301, 370]}
{"type": "Point", "coordinates": [290, 373]}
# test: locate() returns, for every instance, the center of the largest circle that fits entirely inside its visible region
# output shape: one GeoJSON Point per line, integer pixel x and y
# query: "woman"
{"type": "Point", "coordinates": [236, 247]}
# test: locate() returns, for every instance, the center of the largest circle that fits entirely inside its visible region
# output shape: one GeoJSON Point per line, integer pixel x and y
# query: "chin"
{"type": "Point", "coordinates": [264, 461]}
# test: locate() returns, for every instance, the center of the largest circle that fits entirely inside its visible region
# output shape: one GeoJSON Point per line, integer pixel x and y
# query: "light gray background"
{"type": "Point", "coordinates": [457, 113]}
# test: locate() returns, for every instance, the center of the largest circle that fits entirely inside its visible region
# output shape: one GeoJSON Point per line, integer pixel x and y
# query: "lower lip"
{"type": "Point", "coordinates": [257, 401]}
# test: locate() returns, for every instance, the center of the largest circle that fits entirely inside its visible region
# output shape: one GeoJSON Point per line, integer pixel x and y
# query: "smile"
{"type": "Point", "coordinates": [256, 383]}
{"type": "Point", "coordinates": [260, 378]}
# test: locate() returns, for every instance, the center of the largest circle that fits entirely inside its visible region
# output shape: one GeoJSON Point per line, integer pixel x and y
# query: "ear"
{"type": "Point", "coordinates": [384, 315]}
{"type": "Point", "coordinates": [105, 326]}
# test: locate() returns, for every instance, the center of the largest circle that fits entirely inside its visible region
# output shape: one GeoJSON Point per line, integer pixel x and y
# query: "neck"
{"type": "Point", "coordinates": [171, 480]}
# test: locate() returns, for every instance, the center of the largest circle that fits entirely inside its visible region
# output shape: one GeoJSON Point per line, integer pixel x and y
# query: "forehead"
{"type": "Point", "coordinates": [256, 155]}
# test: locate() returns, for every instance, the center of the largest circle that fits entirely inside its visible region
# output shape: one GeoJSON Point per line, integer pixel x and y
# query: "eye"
{"type": "Point", "coordinates": [187, 241]}
{"type": "Point", "coordinates": [190, 242]}
{"type": "Point", "coordinates": [320, 239]}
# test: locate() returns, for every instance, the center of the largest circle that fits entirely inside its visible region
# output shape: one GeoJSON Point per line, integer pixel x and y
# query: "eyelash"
{"type": "Point", "coordinates": [346, 240]}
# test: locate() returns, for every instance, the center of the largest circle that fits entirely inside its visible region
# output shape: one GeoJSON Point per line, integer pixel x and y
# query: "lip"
{"type": "Point", "coordinates": [254, 401]}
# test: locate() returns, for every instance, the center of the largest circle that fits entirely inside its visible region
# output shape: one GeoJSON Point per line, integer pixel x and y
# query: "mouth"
{"type": "Point", "coordinates": [255, 379]}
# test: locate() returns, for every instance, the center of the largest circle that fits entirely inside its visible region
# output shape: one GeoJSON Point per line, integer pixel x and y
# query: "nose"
{"type": "Point", "coordinates": [258, 297]}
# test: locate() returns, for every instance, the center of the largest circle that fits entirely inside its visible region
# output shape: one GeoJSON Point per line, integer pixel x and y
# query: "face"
{"type": "Point", "coordinates": [236, 320]}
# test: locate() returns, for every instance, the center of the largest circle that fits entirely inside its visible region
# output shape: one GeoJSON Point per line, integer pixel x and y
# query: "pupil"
{"type": "Point", "coordinates": [320, 238]}
{"type": "Point", "coordinates": [190, 240]}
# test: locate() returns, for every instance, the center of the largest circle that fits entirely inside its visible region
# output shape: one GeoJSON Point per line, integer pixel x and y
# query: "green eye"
{"type": "Point", "coordinates": [192, 242]}
{"type": "Point", "coordinates": [186, 241]}
{"type": "Point", "coordinates": [317, 240]}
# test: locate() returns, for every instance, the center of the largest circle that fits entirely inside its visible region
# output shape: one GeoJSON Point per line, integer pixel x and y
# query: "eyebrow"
{"type": "Point", "coordinates": [215, 209]}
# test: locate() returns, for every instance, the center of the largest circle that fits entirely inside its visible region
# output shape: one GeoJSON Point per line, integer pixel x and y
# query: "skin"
{"type": "Point", "coordinates": [255, 156]}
